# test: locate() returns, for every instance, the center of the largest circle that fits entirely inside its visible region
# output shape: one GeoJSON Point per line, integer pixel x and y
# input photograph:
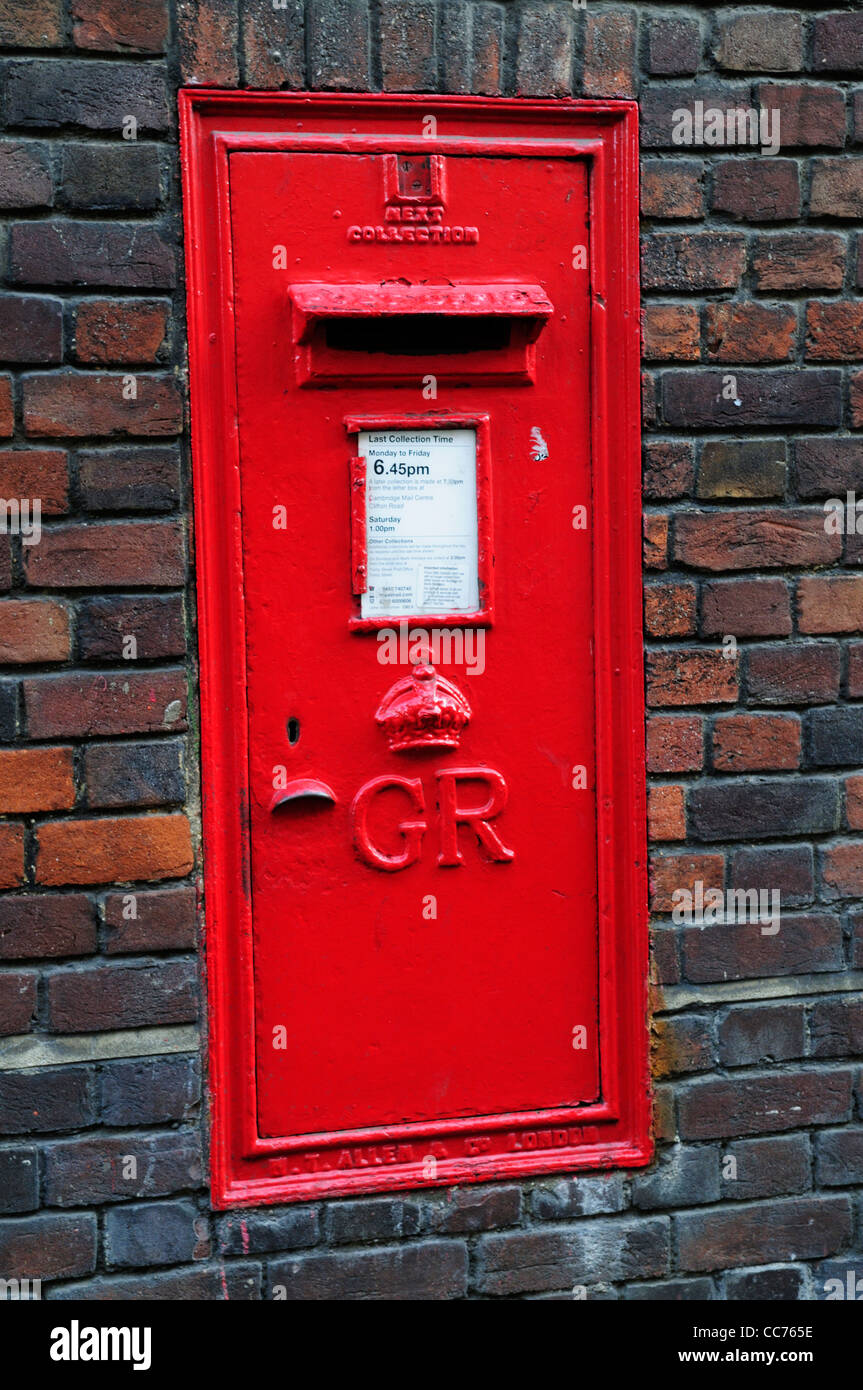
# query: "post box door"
{"type": "Point", "coordinates": [436, 989]}
{"type": "Point", "coordinates": [415, 467]}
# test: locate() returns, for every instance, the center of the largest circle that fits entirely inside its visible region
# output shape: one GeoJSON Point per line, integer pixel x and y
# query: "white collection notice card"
{"type": "Point", "coordinates": [421, 522]}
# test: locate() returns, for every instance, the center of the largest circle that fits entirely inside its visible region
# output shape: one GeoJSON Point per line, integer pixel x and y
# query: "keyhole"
{"type": "Point", "coordinates": [293, 731]}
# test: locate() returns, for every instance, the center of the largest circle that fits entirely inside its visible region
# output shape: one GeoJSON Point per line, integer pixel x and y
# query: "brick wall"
{"type": "Point", "coordinates": [753, 407]}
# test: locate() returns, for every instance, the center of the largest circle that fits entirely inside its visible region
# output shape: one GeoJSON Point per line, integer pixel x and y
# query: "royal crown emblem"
{"type": "Point", "coordinates": [423, 710]}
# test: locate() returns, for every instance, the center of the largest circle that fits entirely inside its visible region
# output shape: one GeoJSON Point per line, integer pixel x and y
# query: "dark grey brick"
{"type": "Point", "coordinates": [149, 1090]}
{"type": "Point", "coordinates": [156, 1233]}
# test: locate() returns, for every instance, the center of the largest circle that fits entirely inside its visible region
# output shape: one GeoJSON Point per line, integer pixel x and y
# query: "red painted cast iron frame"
{"type": "Point", "coordinates": [613, 1132]}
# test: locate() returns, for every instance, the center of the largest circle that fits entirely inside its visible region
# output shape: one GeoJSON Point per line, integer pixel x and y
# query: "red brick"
{"type": "Point", "coordinates": [799, 261]}
{"type": "Point", "coordinates": [691, 676]}
{"type": "Point", "coordinates": [36, 779]}
{"type": "Point", "coordinates": [680, 1045]}
{"type": "Point", "coordinates": [31, 23]}
{"type": "Point", "coordinates": [749, 332]}
{"type": "Point", "coordinates": [115, 26]}
{"type": "Point", "coordinates": [649, 401]}
{"type": "Point", "coordinates": [11, 855]}
{"type": "Point", "coordinates": [609, 53]}
{"type": "Point", "coordinates": [664, 967]}
{"type": "Point", "coordinates": [808, 115]}
{"type": "Point", "coordinates": [828, 466]}
{"type": "Point", "coordinates": [668, 468]}
{"type": "Point", "coordinates": [208, 35]}
{"type": "Point", "coordinates": [49, 1247]}
{"type": "Point", "coordinates": [46, 924]}
{"type": "Point", "coordinates": [854, 802]}
{"type": "Point", "coordinates": [80, 706]}
{"type": "Point", "coordinates": [669, 610]}
{"type": "Point", "coordinates": [150, 920]}
{"type": "Point", "coordinates": [805, 944]}
{"type": "Point", "coordinates": [855, 395]}
{"type": "Point", "coordinates": [761, 1104]}
{"type": "Point", "coordinates": [407, 39]}
{"type": "Point", "coordinates": [7, 411]}
{"type": "Point", "coordinates": [488, 42]}
{"type": "Point", "coordinates": [125, 330]}
{"type": "Point", "coordinates": [91, 403]}
{"type": "Point", "coordinates": [764, 1233]}
{"type": "Point", "coordinates": [42, 473]}
{"type": "Point", "coordinates": [838, 43]}
{"type": "Point", "coordinates": [666, 816]}
{"type": "Point", "coordinates": [670, 333]}
{"type": "Point", "coordinates": [33, 631]}
{"type": "Point", "coordinates": [855, 670]}
{"type": "Point", "coordinates": [655, 541]}
{"type": "Point", "coordinates": [114, 555]}
{"type": "Point", "coordinates": [31, 328]}
{"type": "Point", "coordinates": [757, 190]}
{"type": "Point", "coordinates": [837, 188]}
{"type": "Point", "coordinates": [830, 603]}
{"type": "Point", "coordinates": [670, 872]}
{"type": "Point", "coordinates": [17, 1001]}
{"type": "Point", "coordinates": [672, 188]}
{"type": "Point", "coordinates": [798, 673]}
{"type": "Point", "coordinates": [756, 742]}
{"type": "Point", "coordinates": [754, 539]}
{"type": "Point", "coordinates": [834, 332]}
{"type": "Point", "coordinates": [113, 849]}
{"type": "Point", "coordinates": [674, 743]}
{"type": "Point", "coordinates": [745, 608]}
{"type": "Point", "coordinates": [101, 997]}
{"type": "Point", "coordinates": [692, 261]}
{"type": "Point", "coordinates": [842, 870]}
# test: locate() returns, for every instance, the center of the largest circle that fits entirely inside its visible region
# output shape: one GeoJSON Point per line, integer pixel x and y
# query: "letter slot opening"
{"type": "Point", "coordinates": [418, 335]}
{"type": "Point", "coordinates": [346, 334]}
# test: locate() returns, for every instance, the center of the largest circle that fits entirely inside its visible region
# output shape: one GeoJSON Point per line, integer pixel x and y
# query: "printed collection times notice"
{"type": "Point", "coordinates": [421, 522]}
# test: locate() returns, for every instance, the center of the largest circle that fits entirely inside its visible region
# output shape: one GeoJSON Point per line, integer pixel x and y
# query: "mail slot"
{"type": "Point", "coordinates": [460, 333]}
{"type": "Point", "coordinates": [414, 388]}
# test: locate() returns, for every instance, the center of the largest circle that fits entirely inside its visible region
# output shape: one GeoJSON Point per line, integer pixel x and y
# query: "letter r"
{"type": "Point", "coordinates": [452, 815]}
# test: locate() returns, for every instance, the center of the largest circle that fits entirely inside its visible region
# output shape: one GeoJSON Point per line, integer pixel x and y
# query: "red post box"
{"type": "Point", "coordinates": [414, 385]}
